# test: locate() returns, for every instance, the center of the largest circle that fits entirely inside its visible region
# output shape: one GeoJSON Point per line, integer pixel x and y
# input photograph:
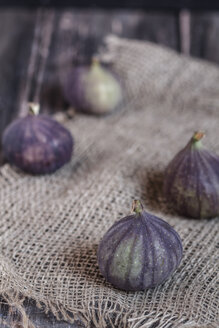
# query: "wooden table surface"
{"type": "Point", "coordinates": [37, 317]}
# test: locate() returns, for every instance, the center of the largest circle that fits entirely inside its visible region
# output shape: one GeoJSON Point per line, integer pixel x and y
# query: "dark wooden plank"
{"type": "Point", "coordinates": [204, 36]}
{"type": "Point", "coordinates": [36, 316]}
{"type": "Point", "coordinates": [185, 31]}
{"type": "Point", "coordinates": [16, 31]}
{"type": "Point", "coordinates": [144, 4]}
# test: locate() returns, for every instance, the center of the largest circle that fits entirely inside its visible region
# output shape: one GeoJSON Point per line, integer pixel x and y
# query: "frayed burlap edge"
{"type": "Point", "coordinates": [101, 318]}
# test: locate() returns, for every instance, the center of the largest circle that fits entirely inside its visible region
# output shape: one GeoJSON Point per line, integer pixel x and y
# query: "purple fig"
{"type": "Point", "coordinates": [139, 251]}
{"type": "Point", "coordinates": [92, 89]}
{"type": "Point", "coordinates": [191, 181]}
{"type": "Point", "coordinates": [36, 143]}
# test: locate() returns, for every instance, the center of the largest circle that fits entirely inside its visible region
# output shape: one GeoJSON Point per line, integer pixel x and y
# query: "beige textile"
{"type": "Point", "coordinates": [51, 225]}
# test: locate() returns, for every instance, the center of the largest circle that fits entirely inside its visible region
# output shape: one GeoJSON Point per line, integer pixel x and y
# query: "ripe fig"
{"type": "Point", "coordinates": [139, 251]}
{"type": "Point", "coordinates": [191, 181]}
{"type": "Point", "coordinates": [93, 89]}
{"type": "Point", "coordinates": [37, 144]}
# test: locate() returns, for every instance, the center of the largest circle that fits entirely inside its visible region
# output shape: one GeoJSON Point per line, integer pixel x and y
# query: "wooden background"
{"type": "Point", "coordinates": [33, 48]}
{"type": "Point", "coordinates": [194, 33]}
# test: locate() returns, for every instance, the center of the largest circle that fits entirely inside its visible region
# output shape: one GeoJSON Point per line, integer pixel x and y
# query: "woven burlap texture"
{"type": "Point", "coordinates": [51, 225]}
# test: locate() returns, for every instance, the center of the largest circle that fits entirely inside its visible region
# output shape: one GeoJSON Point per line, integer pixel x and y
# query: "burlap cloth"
{"type": "Point", "coordinates": [51, 225]}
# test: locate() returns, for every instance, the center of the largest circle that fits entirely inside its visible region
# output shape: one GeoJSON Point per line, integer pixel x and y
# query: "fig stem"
{"type": "Point", "coordinates": [137, 206]}
{"type": "Point", "coordinates": [197, 139]}
{"type": "Point", "coordinates": [198, 135]}
{"type": "Point", "coordinates": [34, 108]}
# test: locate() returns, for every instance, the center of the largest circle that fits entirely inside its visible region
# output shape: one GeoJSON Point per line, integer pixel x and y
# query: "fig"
{"type": "Point", "coordinates": [191, 182]}
{"type": "Point", "coordinates": [37, 144]}
{"type": "Point", "coordinates": [92, 89]}
{"type": "Point", "coordinates": [139, 251]}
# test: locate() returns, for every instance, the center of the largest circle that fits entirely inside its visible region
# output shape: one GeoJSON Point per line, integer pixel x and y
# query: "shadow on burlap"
{"type": "Point", "coordinates": [51, 225]}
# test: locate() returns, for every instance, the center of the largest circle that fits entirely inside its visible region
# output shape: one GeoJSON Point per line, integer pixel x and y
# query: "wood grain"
{"type": "Point", "coordinates": [204, 35]}
{"type": "Point", "coordinates": [16, 29]}
{"type": "Point", "coordinates": [143, 4]}
{"type": "Point", "coordinates": [37, 317]}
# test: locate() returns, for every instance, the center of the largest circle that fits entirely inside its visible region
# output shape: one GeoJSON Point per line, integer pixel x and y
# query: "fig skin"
{"type": "Point", "coordinates": [36, 143]}
{"type": "Point", "coordinates": [92, 89]}
{"type": "Point", "coordinates": [139, 251]}
{"type": "Point", "coordinates": [191, 181]}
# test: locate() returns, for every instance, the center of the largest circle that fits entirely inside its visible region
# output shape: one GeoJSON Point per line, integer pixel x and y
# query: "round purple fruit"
{"type": "Point", "coordinates": [191, 181]}
{"type": "Point", "coordinates": [93, 89]}
{"type": "Point", "coordinates": [139, 251]}
{"type": "Point", "coordinates": [36, 143]}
